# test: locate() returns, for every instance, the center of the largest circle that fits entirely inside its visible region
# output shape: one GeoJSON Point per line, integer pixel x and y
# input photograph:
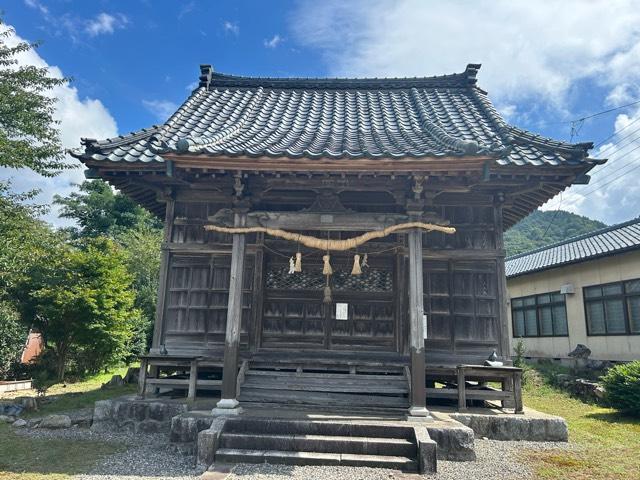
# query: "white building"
{"type": "Point", "coordinates": [585, 290]}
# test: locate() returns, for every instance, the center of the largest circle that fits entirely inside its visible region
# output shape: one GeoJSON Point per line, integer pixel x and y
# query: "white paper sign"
{"type": "Point", "coordinates": [424, 325]}
{"type": "Point", "coordinates": [342, 311]}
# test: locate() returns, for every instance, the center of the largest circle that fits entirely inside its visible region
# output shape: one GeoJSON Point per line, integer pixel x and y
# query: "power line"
{"type": "Point", "coordinates": [617, 133]}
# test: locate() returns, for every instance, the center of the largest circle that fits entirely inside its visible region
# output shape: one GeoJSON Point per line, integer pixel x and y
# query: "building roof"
{"type": "Point", "coordinates": [601, 243]}
{"type": "Point", "coordinates": [443, 116]}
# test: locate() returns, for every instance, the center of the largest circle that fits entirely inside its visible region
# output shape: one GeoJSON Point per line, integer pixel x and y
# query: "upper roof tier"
{"type": "Point", "coordinates": [444, 116]}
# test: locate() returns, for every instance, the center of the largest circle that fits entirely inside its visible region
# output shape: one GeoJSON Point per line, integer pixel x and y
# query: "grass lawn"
{"type": "Point", "coordinates": [72, 396]}
{"type": "Point", "coordinates": [609, 443]}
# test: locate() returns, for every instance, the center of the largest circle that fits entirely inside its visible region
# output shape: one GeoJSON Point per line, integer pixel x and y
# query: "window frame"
{"type": "Point", "coordinates": [624, 296]}
{"type": "Point", "coordinates": [537, 306]}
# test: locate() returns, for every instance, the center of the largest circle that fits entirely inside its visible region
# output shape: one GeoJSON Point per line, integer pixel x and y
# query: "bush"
{"type": "Point", "coordinates": [622, 385]}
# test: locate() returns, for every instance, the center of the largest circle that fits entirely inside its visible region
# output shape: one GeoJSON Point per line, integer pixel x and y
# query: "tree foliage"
{"type": "Point", "coordinates": [12, 339]}
{"type": "Point", "coordinates": [29, 136]}
{"type": "Point", "coordinates": [80, 299]}
{"type": "Point", "coordinates": [99, 210]}
{"type": "Point", "coordinates": [543, 228]}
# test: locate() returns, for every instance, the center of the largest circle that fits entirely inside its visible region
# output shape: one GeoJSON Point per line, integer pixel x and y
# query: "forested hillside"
{"type": "Point", "coordinates": [530, 232]}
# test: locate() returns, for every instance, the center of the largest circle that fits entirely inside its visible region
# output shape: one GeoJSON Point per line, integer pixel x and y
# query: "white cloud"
{"type": "Point", "coordinates": [79, 117]}
{"type": "Point", "coordinates": [534, 54]}
{"type": "Point", "coordinates": [273, 42]}
{"type": "Point", "coordinates": [528, 49]}
{"type": "Point", "coordinates": [231, 27]}
{"type": "Point", "coordinates": [613, 194]}
{"type": "Point", "coordinates": [106, 23]}
{"type": "Point", "coordinates": [161, 109]}
{"type": "Point", "coordinates": [35, 4]}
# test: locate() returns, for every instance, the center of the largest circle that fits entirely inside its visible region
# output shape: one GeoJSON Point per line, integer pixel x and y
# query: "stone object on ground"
{"type": "Point", "coordinates": [7, 419]}
{"type": "Point", "coordinates": [11, 409]}
{"type": "Point", "coordinates": [581, 351]}
{"type": "Point", "coordinates": [208, 442]}
{"type": "Point", "coordinates": [116, 381]}
{"type": "Point", "coordinates": [542, 428]}
{"type": "Point", "coordinates": [29, 404]}
{"type": "Point", "coordinates": [81, 418]}
{"type": "Point", "coordinates": [132, 375]}
{"type": "Point", "coordinates": [19, 423]}
{"type": "Point", "coordinates": [454, 442]}
{"type": "Point", "coordinates": [138, 416]}
{"type": "Point", "coordinates": [588, 389]}
{"type": "Point", "coordinates": [55, 421]}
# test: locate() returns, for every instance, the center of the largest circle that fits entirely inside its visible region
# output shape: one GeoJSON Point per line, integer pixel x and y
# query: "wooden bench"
{"type": "Point", "coordinates": [510, 379]}
{"type": "Point", "coordinates": [152, 365]}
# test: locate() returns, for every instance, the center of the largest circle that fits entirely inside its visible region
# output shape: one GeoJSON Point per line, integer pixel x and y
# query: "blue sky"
{"type": "Point", "coordinates": [544, 64]}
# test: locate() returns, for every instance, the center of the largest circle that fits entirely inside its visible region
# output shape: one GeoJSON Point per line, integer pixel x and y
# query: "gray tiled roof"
{"type": "Point", "coordinates": [607, 241]}
{"type": "Point", "coordinates": [337, 118]}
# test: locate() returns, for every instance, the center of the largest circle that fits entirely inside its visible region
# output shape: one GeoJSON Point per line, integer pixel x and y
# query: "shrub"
{"type": "Point", "coordinates": [622, 385]}
{"type": "Point", "coordinates": [519, 350]}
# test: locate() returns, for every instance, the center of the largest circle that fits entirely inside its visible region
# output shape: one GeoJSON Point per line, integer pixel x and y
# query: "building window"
{"type": "Point", "coordinates": [542, 315]}
{"type": "Point", "coordinates": [613, 308]}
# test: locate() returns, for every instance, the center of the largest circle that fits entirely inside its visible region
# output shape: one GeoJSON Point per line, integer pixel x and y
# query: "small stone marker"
{"type": "Point", "coordinates": [55, 421]}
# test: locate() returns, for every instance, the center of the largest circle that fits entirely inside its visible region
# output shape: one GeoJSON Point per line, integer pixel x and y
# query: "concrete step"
{"type": "Point", "coordinates": [308, 427]}
{"type": "Point", "coordinates": [231, 455]}
{"type": "Point", "coordinates": [320, 443]}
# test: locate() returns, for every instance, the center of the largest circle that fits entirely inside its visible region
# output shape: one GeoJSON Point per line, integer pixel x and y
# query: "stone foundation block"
{"type": "Point", "coordinates": [208, 441]}
{"type": "Point", "coordinates": [454, 443]}
{"type": "Point", "coordinates": [545, 428]}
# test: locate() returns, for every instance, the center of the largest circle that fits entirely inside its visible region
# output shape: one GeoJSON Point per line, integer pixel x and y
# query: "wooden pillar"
{"type": "Point", "coordinates": [157, 344]}
{"type": "Point", "coordinates": [418, 407]}
{"type": "Point", "coordinates": [228, 403]}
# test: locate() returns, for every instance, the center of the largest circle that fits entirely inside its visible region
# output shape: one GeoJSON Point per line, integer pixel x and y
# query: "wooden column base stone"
{"type": "Point", "coordinates": [419, 414]}
{"type": "Point", "coordinates": [227, 406]}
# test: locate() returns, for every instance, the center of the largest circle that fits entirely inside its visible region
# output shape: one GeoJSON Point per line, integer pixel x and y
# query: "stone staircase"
{"type": "Point", "coordinates": [347, 387]}
{"type": "Point", "coordinates": [302, 442]}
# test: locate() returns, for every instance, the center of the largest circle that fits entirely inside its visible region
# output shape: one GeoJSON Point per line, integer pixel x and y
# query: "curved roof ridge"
{"type": "Point", "coordinates": [575, 238]}
{"type": "Point", "coordinates": [211, 79]}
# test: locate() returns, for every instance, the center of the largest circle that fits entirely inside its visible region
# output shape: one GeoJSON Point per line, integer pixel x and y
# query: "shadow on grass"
{"type": "Point", "coordinates": [61, 402]}
{"type": "Point", "coordinates": [614, 417]}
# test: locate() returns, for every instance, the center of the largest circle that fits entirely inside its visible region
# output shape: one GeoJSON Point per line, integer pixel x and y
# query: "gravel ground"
{"type": "Point", "coordinates": [150, 457]}
{"type": "Point", "coordinates": [496, 461]}
{"type": "Point", "coordinates": [147, 456]}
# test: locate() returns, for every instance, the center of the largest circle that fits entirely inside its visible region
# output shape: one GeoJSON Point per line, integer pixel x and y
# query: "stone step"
{"type": "Point", "coordinates": [331, 398]}
{"type": "Point", "coordinates": [231, 455]}
{"type": "Point", "coordinates": [341, 386]}
{"type": "Point", "coordinates": [320, 443]}
{"type": "Point", "coordinates": [308, 427]}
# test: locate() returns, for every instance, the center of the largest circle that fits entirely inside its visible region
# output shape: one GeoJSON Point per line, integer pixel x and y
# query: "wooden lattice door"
{"type": "Point", "coordinates": [294, 315]}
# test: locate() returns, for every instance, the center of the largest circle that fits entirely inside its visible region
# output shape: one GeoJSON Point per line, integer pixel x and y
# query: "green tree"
{"type": "Point", "coordinates": [80, 300]}
{"type": "Point", "coordinates": [142, 255]}
{"type": "Point", "coordinates": [29, 136]}
{"type": "Point", "coordinates": [13, 335]}
{"type": "Point", "coordinates": [99, 210]}
{"type": "Point", "coordinates": [542, 228]}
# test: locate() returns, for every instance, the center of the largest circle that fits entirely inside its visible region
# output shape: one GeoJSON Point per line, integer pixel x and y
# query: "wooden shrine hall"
{"type": "Point", "coordinates": [333, 241]}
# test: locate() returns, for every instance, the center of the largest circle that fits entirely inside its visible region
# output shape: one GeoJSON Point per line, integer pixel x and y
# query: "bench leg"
{"type": "Point", "coordinates": [517, 392]}
{"type": "Point", "coordinates": [193, 380]}
{"type": "Point", "coordinates": [142, 378]}
{"type": "Point", "coordinates": [462, 394]}
{"type": "Point", "coordinates": [507, 386]}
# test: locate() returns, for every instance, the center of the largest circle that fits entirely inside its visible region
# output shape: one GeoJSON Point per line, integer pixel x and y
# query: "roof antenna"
{"type": "Point", "coordinates": [206, 71]}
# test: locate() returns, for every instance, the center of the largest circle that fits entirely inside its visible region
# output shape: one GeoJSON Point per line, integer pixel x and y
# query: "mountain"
{"type": "Point", "coordinates": [529, 233]}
